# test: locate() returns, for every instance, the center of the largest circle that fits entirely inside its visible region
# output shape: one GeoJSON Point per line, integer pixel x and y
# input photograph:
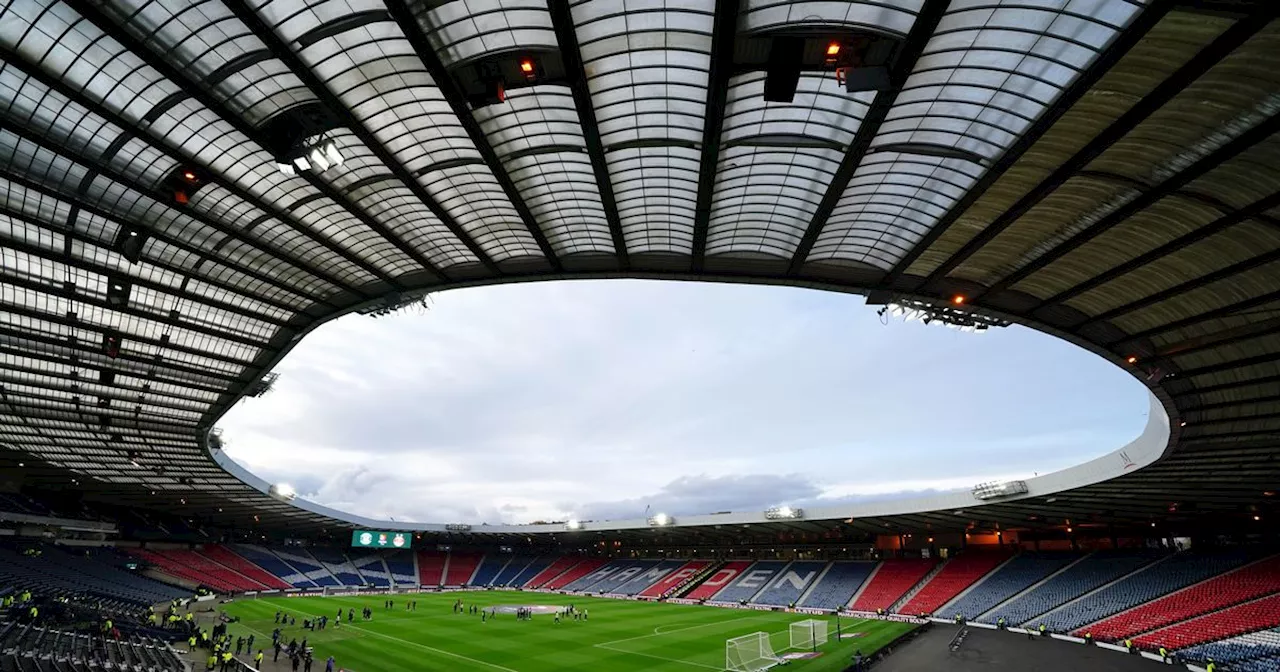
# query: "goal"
{"type": "Point", "coordinates": [749, 653]}
{"type": "Point", "coordinates": [807, 635]}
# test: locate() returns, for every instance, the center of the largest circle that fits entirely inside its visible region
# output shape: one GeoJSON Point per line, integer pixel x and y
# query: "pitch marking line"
{"type": "Point", "coordinates": [425, 647]}
{"type": "Point", "coordinates": [668, 632]}
{"type": "Point", "coordinates": [649, 655]}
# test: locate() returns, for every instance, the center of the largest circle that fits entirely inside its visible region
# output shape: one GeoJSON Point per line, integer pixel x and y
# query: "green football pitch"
{"type": "Point", "coordinates": [619, 636]}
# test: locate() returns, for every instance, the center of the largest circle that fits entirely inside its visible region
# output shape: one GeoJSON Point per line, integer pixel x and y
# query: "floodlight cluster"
{"type": "Point", "coordinates": [317, 155]}
{"type": "Point", "coordinates": [997, 489]}
{"type": "Point", "coordinates": [947, 316]}
{"type": "Point", "coordinates": [783, 513]}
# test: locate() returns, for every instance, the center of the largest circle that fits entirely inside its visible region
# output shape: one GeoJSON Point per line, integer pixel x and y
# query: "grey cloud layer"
{"type": "Point", "coordinates": [596, 399]}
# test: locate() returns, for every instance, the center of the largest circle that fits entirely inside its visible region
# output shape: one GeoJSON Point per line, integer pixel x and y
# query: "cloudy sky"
{"type": "Point", "coordinates": [595, 399]}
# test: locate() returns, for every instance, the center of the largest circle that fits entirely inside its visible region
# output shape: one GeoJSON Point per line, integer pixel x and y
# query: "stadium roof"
{"type": "Point", "coordinates": [1104, 170]}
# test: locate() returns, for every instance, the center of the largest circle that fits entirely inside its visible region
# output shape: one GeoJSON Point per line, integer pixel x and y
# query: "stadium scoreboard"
{"type": "Point", "coordinates": [380, 539]}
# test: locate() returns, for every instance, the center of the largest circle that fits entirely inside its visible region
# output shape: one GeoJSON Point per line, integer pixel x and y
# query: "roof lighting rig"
{"type": "Point", "coordinates": [486, 81]}
{"type": "Point", "coordinates": [299, 139]}
{"type": "Point", "coordinates": [999, 489]}
{"type": "Point", "coordinates": [860, 60]}
{"type": "Point", "coordinates": [952, 315]}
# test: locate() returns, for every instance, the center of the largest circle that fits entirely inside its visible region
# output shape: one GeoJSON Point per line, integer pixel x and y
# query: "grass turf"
{"type": "Point", "coordinates": [621, 636]}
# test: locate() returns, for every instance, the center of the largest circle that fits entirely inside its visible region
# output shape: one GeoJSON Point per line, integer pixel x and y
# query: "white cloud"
{"type": "Point", "coordinates": [547, 400]}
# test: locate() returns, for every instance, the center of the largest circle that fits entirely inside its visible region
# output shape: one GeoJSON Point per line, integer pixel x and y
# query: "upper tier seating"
{"type": "Point", "coordinates": [1179, 571]}
{"type": "Point", "coordinates": [513, 569]}
{"type": "Point", "coordinates": [556, 568]}
{"type": "Point", "coordinates": [228, 558]}
{"type": "Point", "coordinates": [838, 586]}
{"type": "Point", "coordinates": [1247, 583]}
{"type": "Point", "coordinates": [400, 564]}
{"type": "Point", "coordinates": [891, 581]}
{"type": "Point", "coordinates": [644, 580]}
{"type": "Point", "coordinates": [58, 572]}
{"type": "Point", "coordinates": [751, 582]}
{"type": "Point", "coordinates": [534, 568]}
{"type": "Point", "coordinates": [1262, 644]}
{"type": "Point", "coordinates": [461, 568]}
{"type": "Point", "coordinates": [372, 570]}
{"type": "Point", "coordinates": [338, 565]}
{"type": "Point", "coordinates": [431, 567]}
{"type": "Point", "coordinates": [788, 586]}
{"type": "Point", "coordinates": [273, 564]}
{"type": "Point", "coordinates": [1097, 569]}
{"type": "Point", "coordinates": [490, 566]}
{"type": "Point", "coordinates": [959, 573]}
{"type": "Point", "coordinates": [574, 574]}
{"type": "Point", "coordinates": [675, 578]}
{"type": "Point", "coordinates": [1248, 617]}
{"type": "Point", "coordinates": [1015, 576]}
{"type": "Point", "coordinates": [720, 578]}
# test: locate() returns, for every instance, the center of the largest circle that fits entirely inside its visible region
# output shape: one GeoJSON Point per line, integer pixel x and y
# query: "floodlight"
{"type": "Point", "coordinates": [317, 158]}
{"type": "Point", "coordinates": [301, 163]}
{"type": "Point", "coordinates": [283, 491]}
{"type": "Point", "coordinates": [331, 152]}
{"type": "Point", "coordinates": [573, 525]}
{"type": "Point", "coordinates": [660, 520]}
{"type": "Point", "coordinates": [995, 490]}
{"type": "Point", "coordinates": [286, 168]}
{"type": "Point", "coordinates": [783, 513]}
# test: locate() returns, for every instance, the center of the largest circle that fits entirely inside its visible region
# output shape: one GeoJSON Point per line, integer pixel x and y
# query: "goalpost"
{"type": "Point", "coordinates": [808, 635]}
{"type": "Point", "coordinates": [749, 653]}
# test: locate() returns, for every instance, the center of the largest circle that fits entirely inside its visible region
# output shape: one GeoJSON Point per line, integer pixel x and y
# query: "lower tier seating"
{"type": "Point", "coordinates": [1014, 577]}
{"type": "Point", "coordinates": [574, 573]}
{"type": "Point", "coordinates": [891, 581]}
{"type": "Point", "coordinates": [673, 580]}
{"type": "Point", "coordinates": [550, 572]}
{"type": "Point", "coordinates": [958, 574]}
{"type": "Point", "coordinates": [838, 585]}
{"type": "Point", "coordinates": [1179, 571]}
{"type": "Point", "coordinates": [431, 567]}
{"type": "Point", "coordinates": [1247, 583]}
{"type": "Point", "coordinates": [229, 559]}
{"type": "Point", "coordinates": [490, 566]}
{"type": "Point", "coordinates": [1096, 570]}
{"type": "Point", "coordinates": [787, 588]}
{"type": "Point", "coordinates": [648, 577]}
{"type": "Point", "coordinates": [718, 580]}
{"type": "Point", "coordinates": [1261, 644]}
{"type": "Point", "coordinates": [751, 582]}
{"type": "Point", "coordinates": [1248, 617]}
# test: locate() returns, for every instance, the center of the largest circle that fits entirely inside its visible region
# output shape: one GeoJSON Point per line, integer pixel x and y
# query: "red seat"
{"type": "Point", "coordinates": [1248, 617]}
{"type": "Point", "coordinates": [560, 566]}
{"type": "Point", "coordinates": [431, 567]}
{"type": "Point", "coordinates": [576, 572]}
{"type": "Point", "coordinates": [675, 578]}
{"type": "Point", "coordinates": [959, 573]}
{"type": "Point", "coordinates": [718, 580]}
{"type": "Point", "coordinates": [891, 581]}
{"type": "Point", "coordinates": [1247, 583]}
{"type": "Point", "coordinates": [229, 559]}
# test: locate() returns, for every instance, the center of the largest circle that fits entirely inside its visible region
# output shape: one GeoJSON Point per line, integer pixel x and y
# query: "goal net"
{"type": "Point", "coordinates": [809, 634]}
{"type": "Point", "coordinates": [749, 653]}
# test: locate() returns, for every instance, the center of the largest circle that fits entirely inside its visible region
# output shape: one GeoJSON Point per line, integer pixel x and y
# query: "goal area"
{"type": "Point", "coordinates": [808, 635]}
{"type": "Point", "coordinates": [749, 653]}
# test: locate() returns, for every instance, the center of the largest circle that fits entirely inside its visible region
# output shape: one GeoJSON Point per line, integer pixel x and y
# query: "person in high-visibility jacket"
{"type": "Point", "coordinates": [1164, 653]}
{"type": "Point", "coordinates": [1088, 638]}
{"type": "Point", "coordinates": [212, 662]}
{"type": "Point", "coordinates": [1042, 630]}
{"type": "Point", "coordinates": [226, 660]}
{"type": "Point", "coordinates": [1211, 667]}
{"type": "Point", "coordinates": [1128, 645]}
{"type": "Point", "coordinates": [257, 660]}
{"type": "Point", "coordinates": [34, 613]}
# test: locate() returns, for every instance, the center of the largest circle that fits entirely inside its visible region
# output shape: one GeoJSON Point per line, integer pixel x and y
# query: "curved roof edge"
{"type": "Point", "coordinates": [1146, 449]}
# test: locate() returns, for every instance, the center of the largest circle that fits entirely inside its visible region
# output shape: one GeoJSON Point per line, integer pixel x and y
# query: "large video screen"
{"type": "Point", "coordinates": [378, 539]}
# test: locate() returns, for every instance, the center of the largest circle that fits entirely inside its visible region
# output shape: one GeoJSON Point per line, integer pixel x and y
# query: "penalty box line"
{"type": "Point", "coordinates": [672, 632]}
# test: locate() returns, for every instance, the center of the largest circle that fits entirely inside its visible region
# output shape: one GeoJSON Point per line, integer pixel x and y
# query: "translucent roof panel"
{"type": "Point", "coordinates": [890, 203]}
{"type": "Point", "coordinates": [647, 66]}
{"type": "Point", "coordinates": [822, 113]}
{"type": "Point", "coordinates": [99, 67]}
{"type": "Point", "coordinates": [208, 42]}
{"type": "Point", "coordinates": [990, 70]}
{"type": "Point", "coordinates": [656, 191]}
{"type": "Point", "coordinates": [538, 137]}
{"type": "Point", "coordinates": [465, 30]}
{"type": "Point", "coordinates": [891, 17]}
{"type": "Point", "coordinates": [376, 73]}
{"type": "Point", "coordinates": [765, 197]}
